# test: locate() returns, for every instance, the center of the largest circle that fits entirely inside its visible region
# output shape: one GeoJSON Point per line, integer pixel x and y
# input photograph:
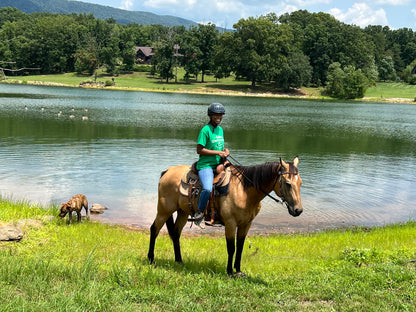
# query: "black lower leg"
{"type": "Point", "coordinates": [151, 255]}
{"type": "Point", "coordinates": [230, 251]}
{"type": "Point", "coordinates": [174, 235]}
{"type": "Point", "coordinates": [240, 246]}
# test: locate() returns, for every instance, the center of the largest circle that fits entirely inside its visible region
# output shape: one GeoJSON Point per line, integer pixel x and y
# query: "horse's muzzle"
{"type": "Point", "coordinates": [295, 211]}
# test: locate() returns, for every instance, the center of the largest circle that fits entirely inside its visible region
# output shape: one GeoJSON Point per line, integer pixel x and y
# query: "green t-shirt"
{"type": "Point", "coordinates": [213, 139]}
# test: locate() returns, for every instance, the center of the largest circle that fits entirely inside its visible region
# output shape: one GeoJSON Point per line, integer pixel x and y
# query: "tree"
{"type": "Point", "coordinates": [207, 36]}
{"type": "Point", "coordinates": [295, 72]}
{"type": "Point", "coordinates": [386, 69]}
{"type": "Point", "coordinates": [335, 83]}
{"type": "Point", "coordinates": [355, 84]}
{"type": "Point", "coordinates": [224, 57]}
{"type": "Point", "coordinates": [163, 60]}
{"type": "Point", "coordinates": [259, 48]}
{"type": "Point", "coordinates": [347, 83]}
{"type": "Point", "coordinates": [86, 60]}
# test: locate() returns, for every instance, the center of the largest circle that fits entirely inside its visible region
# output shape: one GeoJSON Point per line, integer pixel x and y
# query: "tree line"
{"type": "Point", "coordinates": [289, 51]}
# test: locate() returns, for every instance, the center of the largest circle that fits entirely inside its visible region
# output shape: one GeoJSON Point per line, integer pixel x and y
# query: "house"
{"type": "Point", "coordinates": [144, 54]}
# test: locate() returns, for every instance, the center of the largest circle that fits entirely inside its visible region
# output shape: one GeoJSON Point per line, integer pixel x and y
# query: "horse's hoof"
{"type": "Point", "coordinates": [240, 274]}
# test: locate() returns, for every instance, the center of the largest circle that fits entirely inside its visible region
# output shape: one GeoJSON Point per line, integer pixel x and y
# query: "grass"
{"type": "Point", "coordinates": [99, 267]}
{"type": "Point", "coordinates": [142, 81]}
{"type": "Point", "coordinates": [385, 90]}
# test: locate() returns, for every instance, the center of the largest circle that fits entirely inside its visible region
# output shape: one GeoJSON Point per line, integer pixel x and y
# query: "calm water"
{"type": "Point", "coordinates": [357, 160]}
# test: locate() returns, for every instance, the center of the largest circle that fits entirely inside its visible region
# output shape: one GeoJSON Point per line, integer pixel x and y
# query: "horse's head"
{"type": "Point", "coordinates": [289, 186]}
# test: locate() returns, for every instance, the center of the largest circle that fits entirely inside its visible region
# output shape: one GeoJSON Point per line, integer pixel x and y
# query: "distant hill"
{"type": "Point", "coordinates": [99, 11]}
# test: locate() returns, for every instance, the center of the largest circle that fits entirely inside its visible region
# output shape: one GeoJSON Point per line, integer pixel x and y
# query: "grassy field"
{"type": "Point", "coordinates": [141, 81]}
{"type": "Point", "coordinates": [98, 267]}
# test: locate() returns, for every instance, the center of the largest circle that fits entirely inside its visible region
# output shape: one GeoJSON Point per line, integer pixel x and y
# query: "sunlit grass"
{"type": "Point", "coordinates": [90, 266]}
{"type": "Point", "coordinates": [392, 90]}
{"type": "Point", "coordinates": [144, 81]}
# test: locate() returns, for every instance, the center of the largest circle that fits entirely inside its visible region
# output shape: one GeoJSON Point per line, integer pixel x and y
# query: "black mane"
{"type": "Point", "coordinates": [258, 176]}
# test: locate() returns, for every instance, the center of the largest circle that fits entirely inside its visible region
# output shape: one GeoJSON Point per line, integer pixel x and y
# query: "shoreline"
{"type": "Point", "coordinates": [307, 97]}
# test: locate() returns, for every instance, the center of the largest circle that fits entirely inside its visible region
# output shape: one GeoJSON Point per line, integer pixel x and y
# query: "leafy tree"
{"type": "Point", "coordinates": [224, 55]}
{"type": "Point", "coordinates": [326, 40]}
{"type": "Point", "coordinates": [335, 83]}
{"type": "Point", "coordinates": [164, 60]}
{"type": "Point", "coordinates": [86, 60]}
{"type": "Point", "coordinates": [386, 69]}
{"type": "Point", "coordinates": [355, 84]}
{"type": "Point", "coordinates": [259, 48]}
{"type": "Point", "coordinates": [347, 83]}
{"type": "Point", "coordinates": [207, 36]}
{"type": "Point", "coordinates": [295, 72]}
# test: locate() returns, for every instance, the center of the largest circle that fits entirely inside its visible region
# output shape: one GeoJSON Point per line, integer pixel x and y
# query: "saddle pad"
{"type": "Point", "coordinates": [190, 175]}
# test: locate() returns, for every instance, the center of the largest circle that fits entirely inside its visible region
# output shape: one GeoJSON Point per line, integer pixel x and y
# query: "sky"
{"type": "Point", "coordinates": [224, 13]}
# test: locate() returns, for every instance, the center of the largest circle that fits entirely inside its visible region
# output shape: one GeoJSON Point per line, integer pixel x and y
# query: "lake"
{"type": "Point", "coordinates": [357, 160]}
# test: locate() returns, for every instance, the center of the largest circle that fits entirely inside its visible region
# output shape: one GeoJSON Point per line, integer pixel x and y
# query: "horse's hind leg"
{"type": "Point", "coordinates": [175, 230]}
{"type": "Point", "coordinates": [154, 232]}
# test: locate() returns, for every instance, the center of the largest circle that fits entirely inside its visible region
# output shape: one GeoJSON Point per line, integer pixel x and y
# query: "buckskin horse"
{"type": "Point", "coordinates": [248, 186]}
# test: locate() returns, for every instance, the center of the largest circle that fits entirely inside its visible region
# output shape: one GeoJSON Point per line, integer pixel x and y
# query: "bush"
{"type": "Point", "coordinates": [142, 68]}
{"type": "Point", "coordinates": [109, 83]}
{"type": "Point", "coordinates": [347, 83]}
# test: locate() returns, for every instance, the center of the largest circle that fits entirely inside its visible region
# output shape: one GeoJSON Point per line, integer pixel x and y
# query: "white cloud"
{"type": "Point", "coordinates": [303, 3]}
{"type": "Point", "coordinates": [360, 14]}
{"type": "Point", "coordinates": [159, 3]}
{"type": "Point", "coordinates": [393, 2]}
{"type": "Point", "coordinates": [126, 5]}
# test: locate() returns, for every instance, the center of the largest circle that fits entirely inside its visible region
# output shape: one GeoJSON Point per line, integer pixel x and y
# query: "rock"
{"type": "Point", "coordinates": [10, 232]}
{"type": "Point", "coordinates": [97, 208]}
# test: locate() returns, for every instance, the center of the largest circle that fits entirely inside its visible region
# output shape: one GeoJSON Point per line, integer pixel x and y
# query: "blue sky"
{"type": "Point", "coordinates": [393, 13]}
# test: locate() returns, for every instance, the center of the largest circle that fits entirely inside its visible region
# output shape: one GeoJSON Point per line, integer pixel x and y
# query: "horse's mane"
{"type": "Point", "coordinates": [257, 176]}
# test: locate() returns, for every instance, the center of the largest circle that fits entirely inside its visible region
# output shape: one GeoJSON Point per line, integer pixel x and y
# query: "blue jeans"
{"type": "Point", "coordinates": [206, 177]}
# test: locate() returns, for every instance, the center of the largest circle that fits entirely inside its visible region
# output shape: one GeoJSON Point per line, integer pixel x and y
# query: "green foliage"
{"type": "Point", "coordinates": [347, 83]}
{"type": "Point", "coordinates": [386, 69]}
{"type": "Point", "coordinates": [290, 51]}
{"type": "Point", "coordinates": [198, 51]}
{"type": "Point", "coordinates": [296, 72]}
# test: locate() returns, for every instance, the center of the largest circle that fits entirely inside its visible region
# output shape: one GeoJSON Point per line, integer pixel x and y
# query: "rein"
{"type": "Point", "coordinates": [280, 199]}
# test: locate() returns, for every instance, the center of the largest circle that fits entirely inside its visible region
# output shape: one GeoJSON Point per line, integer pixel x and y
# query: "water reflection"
{"type": "Point", "coordinates": [356, 159]}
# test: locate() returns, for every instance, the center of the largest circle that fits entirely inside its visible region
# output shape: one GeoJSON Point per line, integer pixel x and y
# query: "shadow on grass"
{"type": "Point", "coordinates": [208, 267]}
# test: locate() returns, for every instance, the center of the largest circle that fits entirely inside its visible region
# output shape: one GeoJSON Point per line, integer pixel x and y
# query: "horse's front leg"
{"type": "Point", "coordinates": [241, 237]}
{"type": "Point", "coordinates": [230, 238]}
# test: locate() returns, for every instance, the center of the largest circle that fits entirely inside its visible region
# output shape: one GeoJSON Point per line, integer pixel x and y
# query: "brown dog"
{"type": "Point", "coordinates": [75, 203]}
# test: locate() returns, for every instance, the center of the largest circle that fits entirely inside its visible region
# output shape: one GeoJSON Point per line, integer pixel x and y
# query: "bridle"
{"type": "Point", "coordinates": [280, 199]}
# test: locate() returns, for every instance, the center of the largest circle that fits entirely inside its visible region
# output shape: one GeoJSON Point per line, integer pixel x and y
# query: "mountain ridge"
{"type": "Point", "coordinates": [99, 11]}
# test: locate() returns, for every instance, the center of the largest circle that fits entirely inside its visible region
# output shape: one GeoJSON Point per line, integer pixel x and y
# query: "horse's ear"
{"type": "Point", "coordinates": [282, 163]}
{"type": "Point", "coordinates": [296, 161]}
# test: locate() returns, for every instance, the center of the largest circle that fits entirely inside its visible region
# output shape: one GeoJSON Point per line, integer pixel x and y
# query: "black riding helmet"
{"type": "Point", "coordinates": [216, 108]}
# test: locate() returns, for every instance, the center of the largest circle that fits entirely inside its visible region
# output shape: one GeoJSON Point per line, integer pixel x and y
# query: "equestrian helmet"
{"type": "Point", "coordinates": [216, 108]}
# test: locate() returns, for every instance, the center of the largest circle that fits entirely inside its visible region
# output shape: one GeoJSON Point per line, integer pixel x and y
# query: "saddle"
{"type": "Point", "coordinates": [191, 187]}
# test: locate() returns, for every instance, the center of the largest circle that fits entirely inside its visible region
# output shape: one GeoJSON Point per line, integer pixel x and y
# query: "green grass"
{"type": "Point", "coordinates": [142, 81]}
{"type": "Point", "coordinates": [385, 90]}
{"type": "Point", "coordinates": [98, 267]}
